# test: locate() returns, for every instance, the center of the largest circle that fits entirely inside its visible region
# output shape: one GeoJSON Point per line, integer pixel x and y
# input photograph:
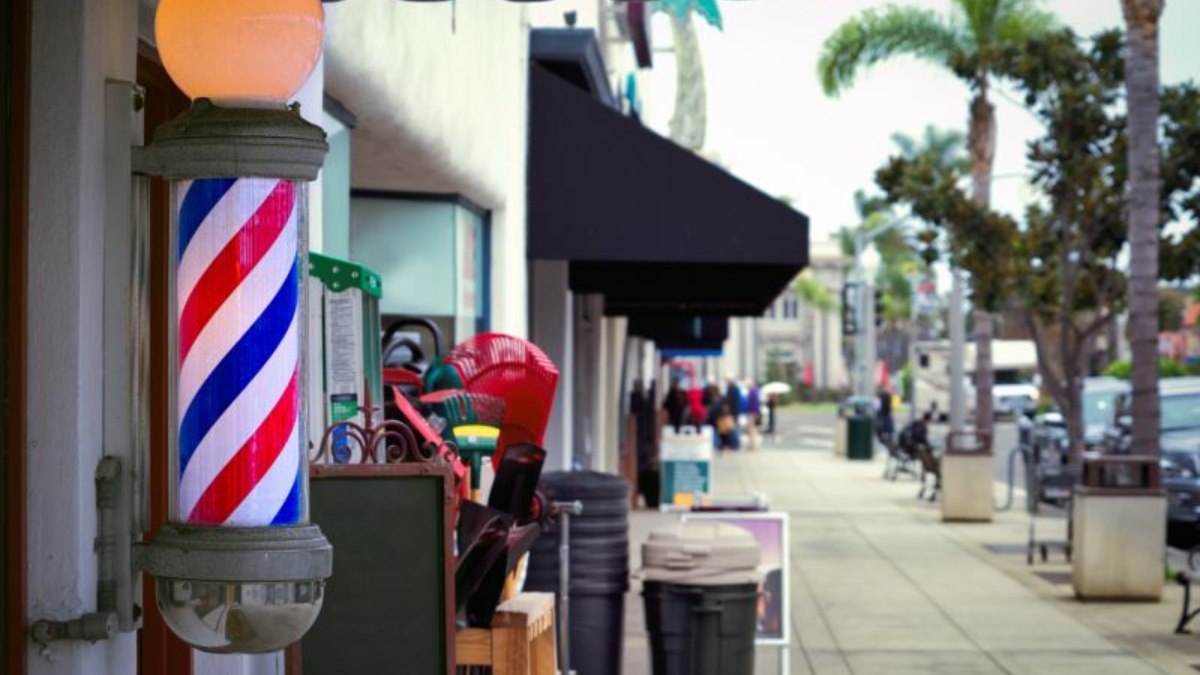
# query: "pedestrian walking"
{"type": "Point", "coordinates": [676, 405]}
{"type": "Point", "coordinates": [753, 413]}
{"type": "Point", "coordinates": [735, 403]}
{"type": "Point", "coordinates": [771, 404]}
{"type": "Point", "coordinates": [883, 418]}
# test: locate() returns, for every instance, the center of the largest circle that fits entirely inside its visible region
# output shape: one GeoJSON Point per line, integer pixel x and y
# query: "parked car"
{"type": "Point", "coordinates": [1179, 445]}
{"type": "Point", "coordinates": [1100, 397]}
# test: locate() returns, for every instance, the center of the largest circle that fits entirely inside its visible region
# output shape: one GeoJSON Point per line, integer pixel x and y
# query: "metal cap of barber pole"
{"type": "Point", "coordinates": [209, 140]}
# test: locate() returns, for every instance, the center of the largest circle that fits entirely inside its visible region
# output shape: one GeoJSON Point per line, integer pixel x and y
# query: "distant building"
{"type": "Point", "coordinates": [793, 333]}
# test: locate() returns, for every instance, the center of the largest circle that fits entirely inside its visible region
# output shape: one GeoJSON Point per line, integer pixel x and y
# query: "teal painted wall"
{"type": "Point", "coordinates": [335, 196]}
{"type": "Point", "coordinates": [411, 245]}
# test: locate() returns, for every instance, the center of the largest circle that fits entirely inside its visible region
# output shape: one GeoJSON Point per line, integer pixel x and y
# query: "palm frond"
{"type": "Point", "coordinates": [1022, 21]}
{"type": "Point", "coordinates": [944, 149]}
{"type": "Point", "coordinates": [999, 23]}
{"type": "Point", "coordinates": [907, 145]}
{"type": "Point", "coordinates": [811, 292]}
{"type": "Point", "coordinates": [876, 35]}
{"type": "Point", "coordinates": [705, 8]}
{"type": "Point", "coordinates": [979, 17]}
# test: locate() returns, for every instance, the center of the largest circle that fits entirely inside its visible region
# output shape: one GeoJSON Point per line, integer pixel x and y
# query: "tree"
{"type": "Point", "coordinates": [967, 43]}
{"type": "Point", "coordinates": [689, 119]}
{"type": "Point", "coordinates": [1062, 268]}
{"type": "Point", "coordinates": [1141, 84]}
{"type": "Point", "coordinates": [903, 257]}
{"type": "Point", "coordinates": [812, 293]}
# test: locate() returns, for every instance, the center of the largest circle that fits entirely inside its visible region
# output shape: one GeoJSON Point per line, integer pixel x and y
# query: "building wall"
{"type": "Point", "coordinates": [439, 93]}
{"type": "Point", "coordinates": [829, 365]}
{"type": "Point", "coordinates": [76, 45]}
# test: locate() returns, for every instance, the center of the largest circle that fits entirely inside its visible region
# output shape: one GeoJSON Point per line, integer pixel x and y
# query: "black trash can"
{"type": "Point", "coordinates": [701, 599]}
{"type": "Point", "coordinates": [599, 566]}
{"type": "Point", "coordinates": [860, 442]}
{"type": "Point", "coordinates": [701, 630]}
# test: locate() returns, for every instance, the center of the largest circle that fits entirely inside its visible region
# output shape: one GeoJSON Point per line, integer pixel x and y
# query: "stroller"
{"type": "Point", "coordinates": [913, 448]}
{"type": "Point", "coordinates": [901, 457]}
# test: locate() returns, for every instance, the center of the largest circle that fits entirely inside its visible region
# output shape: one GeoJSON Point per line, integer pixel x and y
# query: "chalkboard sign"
{"type": "Point", "coordinates": [389, 607]}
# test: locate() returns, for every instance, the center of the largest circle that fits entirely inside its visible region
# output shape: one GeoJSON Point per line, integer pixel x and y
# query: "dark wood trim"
{"type": "Point", "coordinates": [15, 34]}
{"type": "Point", "coordinates": [430, 469]}
{"type": "Point", "coordinates": [159, 651]}
{"type": "Point", "coordinates": [436, 197]}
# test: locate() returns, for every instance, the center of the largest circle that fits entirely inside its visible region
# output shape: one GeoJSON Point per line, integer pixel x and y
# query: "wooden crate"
{"type": "Point", "coordinates": [520, 641]}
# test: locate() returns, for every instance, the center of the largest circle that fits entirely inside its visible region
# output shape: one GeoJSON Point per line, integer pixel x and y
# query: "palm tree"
{"type": "Point", "coordinates": [813, 293]}
{"type": "Point", "coordinates": [689, 119]}
{"type": "Point", "coordinates": [1141, 85]}
{"type": "Point", "coordinates": [968, 43]}
{"type": "Point", "coordinates": [941, 149]}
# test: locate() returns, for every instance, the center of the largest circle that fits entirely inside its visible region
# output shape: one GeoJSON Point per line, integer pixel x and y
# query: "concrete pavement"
{"type": "Point", "coordinates": [880, 585]}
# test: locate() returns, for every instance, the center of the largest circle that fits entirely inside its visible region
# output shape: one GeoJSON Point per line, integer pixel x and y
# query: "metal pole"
{"type": "Point", "coordinates": [565, 510]}
{"type": "Point", "coordinates": [958, 393]}
{"type": "Point", "coordinates": [564, 592]}
{"type": "Point", "coordinates": [870, 348]}
{"type": "Point", "coordinates": [912, 349]}
{"type": "Point", "coordinates": [860, 337]}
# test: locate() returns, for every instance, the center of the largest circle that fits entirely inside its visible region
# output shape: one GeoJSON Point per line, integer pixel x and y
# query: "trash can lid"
{"type": "Point", "coordinates": [701, 553]}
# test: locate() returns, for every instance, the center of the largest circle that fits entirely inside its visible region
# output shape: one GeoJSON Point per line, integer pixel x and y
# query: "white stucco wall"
{"type": "Point", "coordinates": [76, 45]}
{"type": "Point", "coordinates": [439, 90]}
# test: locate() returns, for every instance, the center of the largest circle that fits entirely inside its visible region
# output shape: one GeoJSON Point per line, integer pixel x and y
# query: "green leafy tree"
{"type": "Point", "coordinates": [813, 293]}
{"type": "Point", "coordinates": [1062, 268]}
{"type": "Point", "coordinates": [966, 42]}
{"type": "Point", "coordinates": [902, 257]}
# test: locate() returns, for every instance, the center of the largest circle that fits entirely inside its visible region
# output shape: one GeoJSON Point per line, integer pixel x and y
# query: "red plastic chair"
{"type": "Point", "coordinates": [515, 370]}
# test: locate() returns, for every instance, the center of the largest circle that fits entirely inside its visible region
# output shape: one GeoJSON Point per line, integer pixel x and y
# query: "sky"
{"type": "Point", "coordinates": [770, 123]}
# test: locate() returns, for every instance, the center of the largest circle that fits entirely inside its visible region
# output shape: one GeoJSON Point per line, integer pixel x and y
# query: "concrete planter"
{"type": "Point", "coordinates": [1117, 543]}
{"type": "Point", "coordinates": [967, 486]}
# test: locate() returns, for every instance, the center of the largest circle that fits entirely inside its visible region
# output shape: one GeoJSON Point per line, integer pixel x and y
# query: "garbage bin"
{"type": "Point", "coordinates": [852, 412]}
{"type": "Point", "coordinates": [700, 592]}
{"type": "Point", "coordinates": [599, 566]}
{"type": "Point", "coordinates": [860, 438]}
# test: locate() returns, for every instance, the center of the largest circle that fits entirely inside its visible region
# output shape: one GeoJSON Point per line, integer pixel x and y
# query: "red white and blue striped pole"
{"type": "Point", "coordinates": [238, 568]}
{"type": "Point", "coordinates": [237, 298]}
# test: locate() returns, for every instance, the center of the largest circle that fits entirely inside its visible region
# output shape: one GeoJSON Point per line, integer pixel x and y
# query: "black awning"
{"type": "Point", "coordinates": [680, 331]}
{"type": "Point", "coordinates": [645, 222]}
{"type": "Point", "coordinates": [681, 288]}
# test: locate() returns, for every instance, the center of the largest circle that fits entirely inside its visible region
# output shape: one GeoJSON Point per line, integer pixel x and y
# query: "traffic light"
{"type": "Point", "coordinates": [878, 308]}
{"type": "Point", "coordinates": [850, 308]}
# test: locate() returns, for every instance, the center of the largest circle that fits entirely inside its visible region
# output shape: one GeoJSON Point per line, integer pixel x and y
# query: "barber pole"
{"type": "Point", "coordinates": [238, 295]}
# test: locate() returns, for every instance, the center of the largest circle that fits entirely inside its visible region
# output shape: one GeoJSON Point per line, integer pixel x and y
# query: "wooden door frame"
{"type": "Point", "coordinates": [14, 45]}
{"type": "Point", "coordinates": [159, 650]}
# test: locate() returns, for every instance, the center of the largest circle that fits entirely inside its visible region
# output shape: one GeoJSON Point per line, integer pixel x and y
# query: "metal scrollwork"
{"type": "Point", "coordinates": [377, 442]}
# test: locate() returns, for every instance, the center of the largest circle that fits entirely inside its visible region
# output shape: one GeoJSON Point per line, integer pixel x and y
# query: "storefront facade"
{"type": "Point", "coordinates": [399, 120]}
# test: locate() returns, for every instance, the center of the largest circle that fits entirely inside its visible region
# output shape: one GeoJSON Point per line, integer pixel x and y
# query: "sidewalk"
{"type": "Point", "coordinates": [880, 585]}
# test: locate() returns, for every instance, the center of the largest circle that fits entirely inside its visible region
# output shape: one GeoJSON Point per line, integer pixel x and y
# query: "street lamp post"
{"type": "Point", "coordinates": [958, 393]}
{"type": "Point", "coordinates": [864, 316]}
{"type": "Point", "coordinates": [913, 313]}
{"type": "Point", "coordinates": [870, 261]}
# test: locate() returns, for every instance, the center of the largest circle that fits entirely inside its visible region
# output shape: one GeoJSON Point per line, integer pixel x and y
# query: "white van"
{"type": "Point", "coordinates": [1014, 366]}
